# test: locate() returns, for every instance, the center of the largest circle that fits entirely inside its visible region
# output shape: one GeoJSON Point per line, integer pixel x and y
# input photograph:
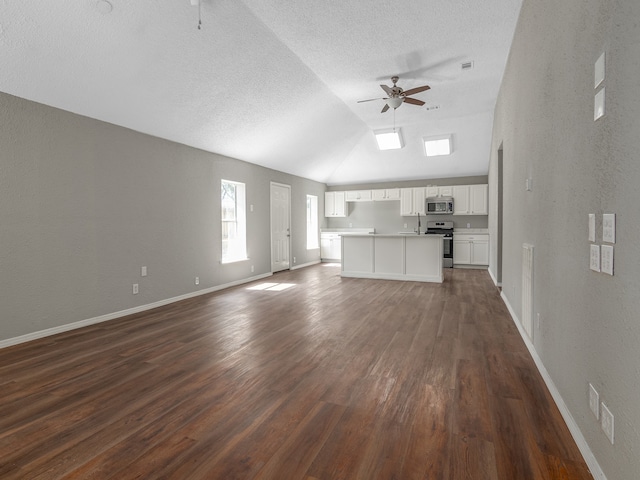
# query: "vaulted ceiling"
{"type": "Point", "coordinates": [275, 83]}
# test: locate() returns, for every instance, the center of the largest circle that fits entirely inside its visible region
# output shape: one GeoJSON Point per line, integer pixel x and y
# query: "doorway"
{"type": "Point", "coordinates": [280, 226]}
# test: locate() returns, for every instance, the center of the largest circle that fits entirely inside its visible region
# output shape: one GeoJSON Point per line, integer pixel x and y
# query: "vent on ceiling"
{"type": "Point", "coordinates": [466, 65]}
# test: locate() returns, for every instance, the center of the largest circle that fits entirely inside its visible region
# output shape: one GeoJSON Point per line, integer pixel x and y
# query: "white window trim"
{"type": "Point", "coordinates": [240, 246]}
{"type": "Point", "coordinates": [313, 224]}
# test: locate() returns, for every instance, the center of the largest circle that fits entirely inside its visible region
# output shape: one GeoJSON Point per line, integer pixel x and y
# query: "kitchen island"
{"type": "Point", "coordinates": [416, 258]}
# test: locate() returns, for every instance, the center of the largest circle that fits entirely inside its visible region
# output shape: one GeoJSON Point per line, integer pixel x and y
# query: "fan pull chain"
{"type": "Point", "coordinates": [199, 15]}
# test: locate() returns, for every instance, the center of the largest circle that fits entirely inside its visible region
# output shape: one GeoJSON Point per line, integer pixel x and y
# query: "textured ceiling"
{"type": "Point", "coordinates": [272, 82]}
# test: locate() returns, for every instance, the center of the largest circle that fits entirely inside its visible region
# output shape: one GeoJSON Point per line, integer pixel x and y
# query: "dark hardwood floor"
{"type": "Point", "coordinates": [328, 379]}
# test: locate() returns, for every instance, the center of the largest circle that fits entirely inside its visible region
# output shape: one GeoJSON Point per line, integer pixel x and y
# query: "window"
{"type": "Point", "coordinates": [312, 222]}
{"type": "Point", "coordinates": [234, 222]}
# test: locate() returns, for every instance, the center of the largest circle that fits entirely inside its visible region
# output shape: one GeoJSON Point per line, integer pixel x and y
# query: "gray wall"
{"type": "Point", "coordinates": [85, 204]}
{"type": "Point", "coordinates": [385, 216]}
{"type": "Point", "coordinates": [590, 328]}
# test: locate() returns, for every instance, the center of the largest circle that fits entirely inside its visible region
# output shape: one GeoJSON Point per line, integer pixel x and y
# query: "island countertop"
{"type": "Point", "coordinates": [400, 256]}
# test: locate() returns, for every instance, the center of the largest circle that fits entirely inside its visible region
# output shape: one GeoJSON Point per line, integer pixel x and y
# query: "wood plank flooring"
{"type": "Point", "coordinates": [327, 379]}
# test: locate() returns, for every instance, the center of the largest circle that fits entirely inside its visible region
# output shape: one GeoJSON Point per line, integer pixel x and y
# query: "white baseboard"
{"type": "Point", "coordinates": [493, 279]}
{"type": "Point", "coordinates": [122, 313]}
{"type": "Point", "coordinates": [296, 267]}
{"type": "Point", "coordinates": [576, 433]}
{"type": "Point", "coordinates": [390, 276]}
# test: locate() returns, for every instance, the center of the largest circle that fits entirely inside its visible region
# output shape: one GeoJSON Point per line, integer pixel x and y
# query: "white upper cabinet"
{"type": "Point", "coordinates": [479, 199]}
{"type": "Point", "coordinates": [432, 191]}
{"type": "Point", "coordinates": [445, 191]}
{"type": "Point", "coordinates": [439, 191]}
{"type": "Point", "coordinates": [412, 201]}
{"type": "Point", "coordinates": [359, 196]}
{"type": "Point", "coordinates": [461, 200]}
{"type": "Point", "coordinates": [335, 204]}
{"type": "Point", "coordinates": [386, 194]}
{"type": "Point", "coordinates": [419, 198]}
{"type": "Point", "coordinates": [470, 199]}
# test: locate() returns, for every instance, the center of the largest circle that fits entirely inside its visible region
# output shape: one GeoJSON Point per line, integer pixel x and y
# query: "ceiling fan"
{"type": "Point", "coordinates": [398, 96]}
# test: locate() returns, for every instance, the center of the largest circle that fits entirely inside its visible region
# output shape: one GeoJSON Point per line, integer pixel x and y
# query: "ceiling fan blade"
{"type": "Point", "coordinates": [385, 108]}
{"type": "Point", "coordinates": [413, 101]}
{"type": "Point", "coordinates": [413, 91]}
{"type": "Point", "coordinates": [371, 100]}
{"type": "Point", "coordinates": [387, 90]}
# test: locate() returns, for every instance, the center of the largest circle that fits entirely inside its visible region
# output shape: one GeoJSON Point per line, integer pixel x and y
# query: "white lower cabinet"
{"type": "Point", "coordinates": [330, 247]}
{"type": "Point", "coordinates": [470, 249]}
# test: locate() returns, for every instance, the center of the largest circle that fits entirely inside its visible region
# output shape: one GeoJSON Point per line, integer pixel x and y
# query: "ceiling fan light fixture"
{"type": "Point", "coordinates": [389, 139]}
{"type": "Point", "coordinates": [395, 102]}
{"type": "Point", "coordinates": [437, 146]}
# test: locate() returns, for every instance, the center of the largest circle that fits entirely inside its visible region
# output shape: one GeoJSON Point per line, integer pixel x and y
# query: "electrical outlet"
{"type": "Point", "coordinates": [405, 225]}
{"type": "Point", "coordinates": [252, 269]}
{"type": "Point", "coordinates": [135, 288]}
{"type": "Point", "coordinates": [143, 271]}
{"type": "Point", "coordinates": [294, 259]}
{"type": "Point", "coordinates": [197, 280]}
{"type": "Point", "coordinates": [538, 321]}
{"type": "Point", "coordinates": [606, 419]}
{"type": "Point", "coordinates": [594, 401]}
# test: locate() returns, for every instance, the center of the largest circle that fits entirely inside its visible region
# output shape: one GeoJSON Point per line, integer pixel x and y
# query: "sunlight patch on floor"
{"type": "Point", "coordinates": [274, 287]}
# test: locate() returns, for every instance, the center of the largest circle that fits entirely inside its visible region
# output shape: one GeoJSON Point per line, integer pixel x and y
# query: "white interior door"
{"type": "Point", "coordinates": [280, 226]}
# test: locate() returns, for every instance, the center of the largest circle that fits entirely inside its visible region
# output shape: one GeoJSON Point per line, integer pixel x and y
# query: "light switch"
{"type": "Point", "coordinates": [609, 227]}
{"type": "Point", "coordinates": [594, 262]}
{"type": "Point", "coordinates": [594, 401]}
{"type": "Point", "coordinates": [592, 227]}
{"type": "Point", "coordinates": [599, 71]}
{"type": "Point", "coordinates": [598, 105]}
{"type": "Point", "coordinates": [607, 259]}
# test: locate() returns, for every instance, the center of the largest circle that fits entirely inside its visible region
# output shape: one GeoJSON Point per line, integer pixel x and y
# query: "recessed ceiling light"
{"type": "Point", "coordinates": [389, 139]}
{"type": "Point", "coordinates": [436, 146]}
{"type": "Point", "coordinates": [104, 6]}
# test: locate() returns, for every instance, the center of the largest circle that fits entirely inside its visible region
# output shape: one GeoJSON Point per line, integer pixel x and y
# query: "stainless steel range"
{"type": "Point", "coordinates": [446, 230]}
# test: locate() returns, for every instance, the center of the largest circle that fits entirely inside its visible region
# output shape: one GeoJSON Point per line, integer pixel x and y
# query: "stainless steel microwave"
{"type": "Point", "coordinates": [439, 205]}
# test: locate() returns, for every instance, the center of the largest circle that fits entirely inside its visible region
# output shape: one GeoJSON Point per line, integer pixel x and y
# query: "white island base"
{"type": "Point", "coordinates": [416, 258]}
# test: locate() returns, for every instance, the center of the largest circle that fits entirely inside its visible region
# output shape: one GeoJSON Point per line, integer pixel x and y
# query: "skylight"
{"type": "Point", "coordinates": [389, 139]}
{"type": "Point", "coordinates": [435, 146]}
